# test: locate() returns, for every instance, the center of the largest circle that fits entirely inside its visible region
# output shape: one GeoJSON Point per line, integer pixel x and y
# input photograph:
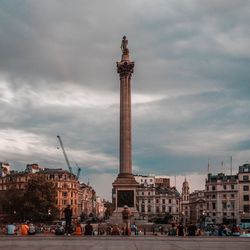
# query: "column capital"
{"type": "Point", "coordinates": [125, 68]}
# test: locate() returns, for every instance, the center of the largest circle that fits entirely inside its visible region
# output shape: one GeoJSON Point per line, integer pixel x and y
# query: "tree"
{"type": "Point", "coordinates": [39, 199]}
{"type": "Point", "coordinates": [11, 202]}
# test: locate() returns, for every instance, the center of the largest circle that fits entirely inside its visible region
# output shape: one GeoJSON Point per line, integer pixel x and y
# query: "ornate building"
{"type": "Point", "coordinates": [185, 210]}
{"type": "Point", "coordinates": [81, 197]}
{"type": "Point", "coordinates": [244, 193]}
{"type": "Point", "coordinates": [197, 206]}
{"type": "Point", "coordinates": [222, 201]}
{"type": "Point", "coordinates": [156, 199]}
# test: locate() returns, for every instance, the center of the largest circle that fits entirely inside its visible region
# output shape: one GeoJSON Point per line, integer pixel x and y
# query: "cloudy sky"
{"type": "Point", "coordinates": [191, 85]}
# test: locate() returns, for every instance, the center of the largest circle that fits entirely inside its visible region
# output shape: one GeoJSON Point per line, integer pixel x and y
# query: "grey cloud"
{"type": "Point", "coordinates": [195, 55]}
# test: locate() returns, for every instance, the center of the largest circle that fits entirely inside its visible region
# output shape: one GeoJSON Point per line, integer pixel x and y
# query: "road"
{"type": "Point", "coordinates": [122, 243]}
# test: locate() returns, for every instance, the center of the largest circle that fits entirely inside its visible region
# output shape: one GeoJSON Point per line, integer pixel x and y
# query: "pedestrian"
{"type": "Point", "coordinates": [32, 229]}
{"type": "Point", "coordinates": [221, 230]}
{"type": "Point", "coordinates": [24, 228]}
{"type": "Point", "coordinates": [115, 230]}
{"type": "Point", "coordinates": [88, 229]}
{"type": "Point", "coordinates": [126, 214]}
{"type": "Point", "coordinates": [78, 229]}
{"type": "Point", "coordinates": [11, 229]}
{"type": "Point", "coordinates": [235, 230]}
{"type": "Point", "coordinates": [180, 230]}
{"type": "Point", "coordinates": [68, 217]}
{"type": "Point", "coordinates": [191, 230]}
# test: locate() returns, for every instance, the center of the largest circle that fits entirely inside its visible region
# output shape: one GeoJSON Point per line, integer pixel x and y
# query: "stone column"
{"type": "Point", "coordinates": [125, 69]}
{"type": "Point", "coordinates": [125, 185]}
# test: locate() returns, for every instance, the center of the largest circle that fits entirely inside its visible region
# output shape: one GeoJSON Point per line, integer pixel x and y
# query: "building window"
{"type": "Point", "coordinates": [207, 206]}
{"type": "Point", "coordinates": [163, 209]}
{"type": "Point", "coordinates": [142, 193]}
{"type": "Point", "coordinates": [246, 208]}
{"type": "Point", "coordinates": [151, 180]}
{"type": "Point", "coordinates": [149, 209]}
{"type": "Point", "coordinates": [170, 210]}
{"type": "Point", "coordinates": [232, 195]}
{"type": "Point", "coordinates": [213, 205]}
{"type": "Point", "coordinates": [169, 201]}
{"type": "Point", "coordinates": [225, 187]}
{"type": "Point", "coordinates": [245, 188]}
{"type": "Point", "coordinates": [148, 193]}
{"type": "Point", "coordinates": [214, 214]}
{"type": "Point", "coordinates": [142, 208]}
{"type": "Point", "coordinates": [245, 178]}
{"type": "Point", "coordinates": [224, 205]}
{"type": "Point", "coordinates": [224, 214]}
{"type": "Point", "coordinates": [246, 197]}
{"type": "Point", "coordinates": [232, 205]}
{"type": "Point", "coordinates": [64, 194]}
{"type": "Point", "coordinates": [163, 201]}
{"type": "Point", "coordinates": [207, 188]}
{"type": "Point", "coordinates": [213, 188]}
{"type": "Point", "coordinates": [177, 202]}
{"type": "Point", "coordinates": [232, 187]}
{"type": "Point", "coordinates": [224, 196]}
{"type": "Point", "coordinates": [157, 200]}
{"type": "Point", "coordinates": [157, 209]}
{"type": "Point", "coordinates": [149, 201]}
{"type": "Point", "coordinates": [142, 201]}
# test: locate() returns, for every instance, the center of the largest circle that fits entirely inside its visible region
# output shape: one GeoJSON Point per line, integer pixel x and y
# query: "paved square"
{"type": "Point", "coordinates": [122, 243]}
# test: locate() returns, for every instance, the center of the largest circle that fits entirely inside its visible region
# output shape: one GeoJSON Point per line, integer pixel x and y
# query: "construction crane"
{"type": "Point", "coordinates": [65, 155]}
{"type": "Point", "coordinates": [78, 171]}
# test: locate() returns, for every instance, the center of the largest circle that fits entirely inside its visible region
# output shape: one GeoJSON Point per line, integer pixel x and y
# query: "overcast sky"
{"type": "Point", "coordinates": [191, 85]}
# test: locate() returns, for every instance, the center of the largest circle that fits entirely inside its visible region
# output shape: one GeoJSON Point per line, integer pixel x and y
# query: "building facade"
{"type": "Point", "coordinates": [184, 203]}
{"type": "Point", "coordinates": [81, 197]}
{"type": "Point", "coordinates": [244, 193]}
{"type": "Point", "coordinates": [197, 206]}
{"type": "Point", "coordinates": [222, 201]}
{"type": "Point", "coordinates": [156, 199]}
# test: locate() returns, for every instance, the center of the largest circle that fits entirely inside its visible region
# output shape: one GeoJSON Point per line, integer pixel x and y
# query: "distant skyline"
{"type": "Point", "coordinates": [190, 88]}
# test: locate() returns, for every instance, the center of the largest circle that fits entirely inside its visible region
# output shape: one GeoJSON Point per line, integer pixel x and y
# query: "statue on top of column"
{"type": "Point", "coordinates": [124, 45]}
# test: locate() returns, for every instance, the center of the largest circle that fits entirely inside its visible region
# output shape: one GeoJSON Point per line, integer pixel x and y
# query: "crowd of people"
{"type": "Point", "coordinates": [76, 228]}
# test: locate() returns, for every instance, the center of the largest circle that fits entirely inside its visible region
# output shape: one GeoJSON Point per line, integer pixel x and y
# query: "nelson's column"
{"type": "Point", "coordinates": [124, 187]}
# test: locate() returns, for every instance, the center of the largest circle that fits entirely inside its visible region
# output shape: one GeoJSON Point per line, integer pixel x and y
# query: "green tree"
{"type": "Point", "coordinates": [11, 202]}
{"type": "Point", "coordinates": [39, 199]}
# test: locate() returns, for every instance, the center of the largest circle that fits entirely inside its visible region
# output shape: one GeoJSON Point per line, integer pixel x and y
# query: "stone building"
{"type": "Point", "coordinates": [81, 197]}
{"type": "Point", "coordinates": [184, 203]}
{"type": "Point", "coordinates": [156, 199]}
{"type": "Point", "coordinates": [244, 193]}
{"type": "Point", "coordinates": [99, 207]}
{"type": "Point", "coordinates": [87, 197]}
{"type": "Point", "coordinates": [221, 194]}
{"type": "Point", "coordinates": [197, 206]}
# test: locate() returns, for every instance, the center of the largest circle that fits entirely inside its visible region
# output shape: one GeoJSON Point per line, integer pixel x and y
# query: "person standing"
{"type": "Point", "coordinates": [126, 214]}
{"type": "Point", "coordinates": [180, 230]}
{"type": "Point", "coordinates": [68, 217]}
